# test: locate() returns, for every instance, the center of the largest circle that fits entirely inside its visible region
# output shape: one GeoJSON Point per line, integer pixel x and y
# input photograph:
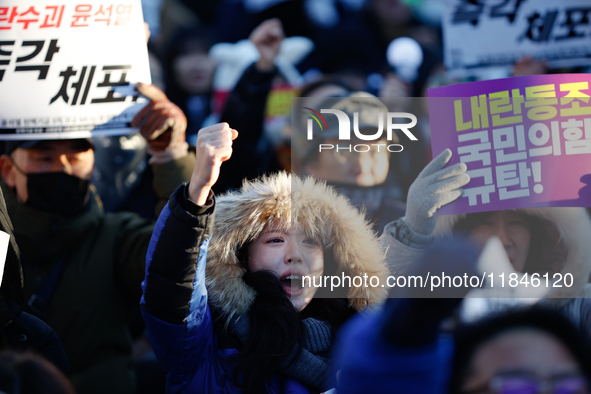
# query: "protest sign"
{"type": "Point", "coordinates": [526, 140]}
{"type": "Point", "coordinates": [486, 33]}
{"type": "Point", "coordinates": [67, 68]}
{"type": "Point", "coordinates": [4, 244]}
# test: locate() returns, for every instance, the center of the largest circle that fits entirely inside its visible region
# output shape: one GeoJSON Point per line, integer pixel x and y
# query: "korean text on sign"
{"type": "Point", "coordinates": [68, 68]}
{"type": "Point", "coordinates": [526, 140]}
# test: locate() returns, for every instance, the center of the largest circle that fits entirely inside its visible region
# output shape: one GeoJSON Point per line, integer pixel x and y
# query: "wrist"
{"type": "Point", "coordinates": [264, 65]}
{"type": "Point", "coordinates": [198, 193]}
{"type": "Point", "coordinates": [189, 205]}
{"type": "Point", "coordinates": [403, 232]}
{"type": "Point", "coordinates": [169, 154]}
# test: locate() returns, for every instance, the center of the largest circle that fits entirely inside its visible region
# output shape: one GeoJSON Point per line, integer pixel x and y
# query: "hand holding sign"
{"type": "Point", "coordinates": [161, 122]}
{"type": "Point", "coordinates": [214, 146]}
{"type": "Point", "coordinates": [434, 187]}
{"type": "Point", "coordinates": [528, 66]}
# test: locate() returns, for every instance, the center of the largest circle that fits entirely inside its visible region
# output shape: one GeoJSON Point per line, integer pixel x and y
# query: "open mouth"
{"type": "Point", "coordinates": [292, 284]}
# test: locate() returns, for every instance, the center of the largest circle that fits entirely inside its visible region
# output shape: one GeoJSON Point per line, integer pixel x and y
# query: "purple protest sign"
{"type": "Point", "coordinates": [526, 140]}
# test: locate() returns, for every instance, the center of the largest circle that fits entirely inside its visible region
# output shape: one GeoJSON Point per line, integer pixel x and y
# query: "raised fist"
{"type": "Point", "coordinates": [267, 37]}
{"type": "Point", "coordinates": [214, 146]}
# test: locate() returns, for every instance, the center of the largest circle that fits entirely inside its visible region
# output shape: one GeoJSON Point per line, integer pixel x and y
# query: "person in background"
{"type": "Point", "coordinates": [521, 351]}
{"type": "Point", "coordinates": [189, 75]}
{"type": "Point", "coordinates": [551, 240]}
{"type": "Point", "coordinates": [413, 346]}
{"type": "Point", "coordinates": [82, 267]}
{"type": "Point", "coordinates": [356, 46]}
{"type": "Point", "coordinates": [19, 330]}
{"type": "Point", "coordinates": [404, 347]}
{"type": "Point", "coordinates": [254, 155]}
{"type": "Point", "coordinates": [364, 177]}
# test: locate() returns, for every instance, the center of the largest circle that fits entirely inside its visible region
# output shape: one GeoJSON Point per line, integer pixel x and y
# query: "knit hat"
{"type": "Point", "coordinates": [11, 145]}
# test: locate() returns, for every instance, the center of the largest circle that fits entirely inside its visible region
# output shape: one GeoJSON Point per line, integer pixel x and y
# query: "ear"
{"type": "Point", "coordinates": [7, 169]}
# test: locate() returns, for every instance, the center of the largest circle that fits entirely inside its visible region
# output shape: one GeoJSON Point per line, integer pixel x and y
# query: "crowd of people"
{"type": "Point", "coordinates": [188, 279]}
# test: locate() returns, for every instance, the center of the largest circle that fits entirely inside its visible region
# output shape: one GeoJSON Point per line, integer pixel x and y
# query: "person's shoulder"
{"type": "Point", "coordinates": [123, 222]}
{"type": "Point", "coordinates": [124, 217]}
{"type": "Point", "coordinates": [33, 323]}
{"type": "Point", "coordinates": [583, 297]}
{"type": "Point", "coordinates": [586, 290]}
{"type": "Point", "coordinates": [577, 306]}
{"type": "Point", "coordinates": [29, 329]}
{"type": "Point", "coordinates": [40, 337]}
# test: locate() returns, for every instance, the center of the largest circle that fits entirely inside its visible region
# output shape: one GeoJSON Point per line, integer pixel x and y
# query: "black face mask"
{"type": "Point", "coordinates": [57, 192]}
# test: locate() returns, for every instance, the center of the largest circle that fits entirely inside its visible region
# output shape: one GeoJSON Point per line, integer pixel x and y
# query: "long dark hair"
{"type": "Point", "coordinates": [276, 327]}
{"type": "Point", "coordinates": [325, 306]}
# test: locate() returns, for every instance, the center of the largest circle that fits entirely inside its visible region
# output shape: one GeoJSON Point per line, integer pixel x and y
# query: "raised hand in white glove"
{"type": "Point", "coordinates": [434, 187]}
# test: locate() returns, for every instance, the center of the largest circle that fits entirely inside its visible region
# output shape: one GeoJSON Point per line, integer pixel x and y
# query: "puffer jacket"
{"type": "Point", "coordinates": [192, 268]}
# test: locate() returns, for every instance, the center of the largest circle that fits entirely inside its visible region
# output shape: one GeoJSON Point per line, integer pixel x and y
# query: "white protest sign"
{"type": "Point", "coordinates": [484, 33]}
{"type": "Point", "coordinates": [67, 68]}
{"type": "Point", "coordinates": [4, 242]}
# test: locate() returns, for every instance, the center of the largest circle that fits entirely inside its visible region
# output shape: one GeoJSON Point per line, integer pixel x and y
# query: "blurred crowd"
{"type": "Point", "coordinates": [86, 248]}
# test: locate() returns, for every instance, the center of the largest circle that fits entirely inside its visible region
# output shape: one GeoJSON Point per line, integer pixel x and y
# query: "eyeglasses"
{"type": "Point", "coordinates": [527, 384]}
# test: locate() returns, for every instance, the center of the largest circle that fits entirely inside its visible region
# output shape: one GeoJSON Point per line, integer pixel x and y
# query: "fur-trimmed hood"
{"type": "Point", "coordinates": [568, 246]}
{"type": "Point", "coordinates": [286, 199]}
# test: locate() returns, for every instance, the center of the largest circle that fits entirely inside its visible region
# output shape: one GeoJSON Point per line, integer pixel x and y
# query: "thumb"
{"type": "Point", "coordinates": [150, 92]}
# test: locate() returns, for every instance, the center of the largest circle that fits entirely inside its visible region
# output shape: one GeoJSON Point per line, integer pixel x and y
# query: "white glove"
{"type": "Point", "coordinates": [434, 187]}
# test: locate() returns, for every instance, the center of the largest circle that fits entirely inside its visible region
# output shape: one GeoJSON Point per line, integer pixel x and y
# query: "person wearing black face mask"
{"type": "Point", "coordinates": [56, 192]}
{"type": "Point", "coordinates": [82, 267]}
